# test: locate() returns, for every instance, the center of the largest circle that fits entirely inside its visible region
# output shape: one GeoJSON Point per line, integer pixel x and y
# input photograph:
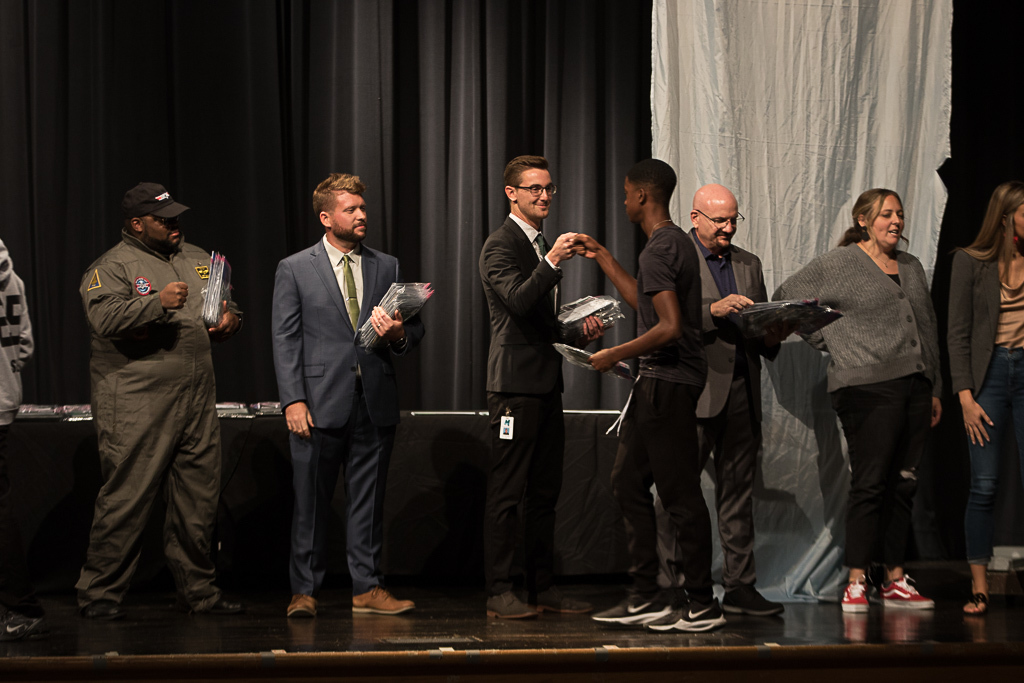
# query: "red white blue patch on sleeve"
{"type": "Point", "coordinates": [142, 286]}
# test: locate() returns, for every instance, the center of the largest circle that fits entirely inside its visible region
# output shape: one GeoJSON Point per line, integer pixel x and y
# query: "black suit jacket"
{"type": "Point", "coordinates": [516, 284]}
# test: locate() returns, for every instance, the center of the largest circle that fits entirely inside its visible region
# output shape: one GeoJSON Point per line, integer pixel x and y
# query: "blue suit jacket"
{"type": "Point", "coordinates": [315, 353]}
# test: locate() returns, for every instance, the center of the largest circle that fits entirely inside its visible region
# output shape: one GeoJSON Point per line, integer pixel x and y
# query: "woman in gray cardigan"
{"type": "Point", "coordinates": [884, 381]}
{"type": "Point", "coordinates": [986, 362]}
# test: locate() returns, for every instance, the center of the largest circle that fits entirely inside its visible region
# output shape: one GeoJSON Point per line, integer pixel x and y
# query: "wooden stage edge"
{"type": "Point", "coordinates": [835, 663]}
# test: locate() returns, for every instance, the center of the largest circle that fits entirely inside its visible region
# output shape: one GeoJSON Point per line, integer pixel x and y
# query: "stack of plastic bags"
{"type": "Point", "coordinates": [218, 289]}
{"type": "Point", "coordinates": [572, 315]}
{"type": "Point", "coordinates": [581, 359]}
{"type": "Point", "coordinates": [807, 315]}
{"type": "Point", "coordinates": [406, 297]}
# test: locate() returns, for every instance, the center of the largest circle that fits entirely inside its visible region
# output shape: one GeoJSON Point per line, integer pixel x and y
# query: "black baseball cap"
{"type": "Point", "coordinates": [150, 198]}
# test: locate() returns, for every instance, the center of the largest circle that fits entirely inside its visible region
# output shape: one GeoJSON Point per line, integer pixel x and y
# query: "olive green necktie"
{"type": "Point", "coordinates": [350, 291]}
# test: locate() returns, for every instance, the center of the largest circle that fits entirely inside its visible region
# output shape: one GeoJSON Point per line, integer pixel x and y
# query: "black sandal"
{"type": "Point", "coordinates": [980, 602]}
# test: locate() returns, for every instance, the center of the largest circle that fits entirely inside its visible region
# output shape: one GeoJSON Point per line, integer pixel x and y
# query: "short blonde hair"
{"type": "Point", "coordinates": [324, 196]}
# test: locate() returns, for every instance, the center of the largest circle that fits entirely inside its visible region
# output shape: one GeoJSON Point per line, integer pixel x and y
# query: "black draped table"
{"type": "Point", "coordinates": [432, 518]}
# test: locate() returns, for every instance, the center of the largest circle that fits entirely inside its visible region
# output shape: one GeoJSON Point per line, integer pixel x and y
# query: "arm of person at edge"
{"type": "Point", "coordinates": [668, 328]}
{"type": "Point", "coordinates": [286, 334]}
{"type": "Point", "coordinates": [958, 342]}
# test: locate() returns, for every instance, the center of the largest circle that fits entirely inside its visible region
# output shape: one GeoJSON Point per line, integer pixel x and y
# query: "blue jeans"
{"type": "Point", "coordinates": [1002, 398]}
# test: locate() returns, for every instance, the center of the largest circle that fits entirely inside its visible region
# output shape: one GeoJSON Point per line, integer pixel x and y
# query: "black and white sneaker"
{"type": "Point", "coordinates": [17, 626]}
{"type": "Point", "coordinates": [635, 610]}
{"type": "Point", "coordinates": [694, 618]}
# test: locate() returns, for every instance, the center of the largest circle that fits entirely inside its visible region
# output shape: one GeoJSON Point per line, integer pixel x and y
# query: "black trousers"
{"type": "Point", "coordinates": [886, 425]}
{"type": "Point", "coordinates": [526, 468]}
{"type": "Point", "coordinates": [734, 435]}
{"type": "Point", "coordinates": [658, 445]}
{"type": "Point", "coordinates": [15, 589]}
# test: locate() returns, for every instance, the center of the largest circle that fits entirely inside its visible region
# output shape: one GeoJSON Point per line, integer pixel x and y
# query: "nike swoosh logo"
{"type": "Point", "coordinates": [633, 610]}
{"type": "Point", "coordinates": [694, 616]}
{"type": "Point", "coordinates": [13, 630]}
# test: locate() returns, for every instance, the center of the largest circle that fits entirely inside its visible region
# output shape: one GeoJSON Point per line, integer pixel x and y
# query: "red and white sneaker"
{"type": "Point", "coordinates": [901, 594]}
{"type": "Point", "coordinates": [855, 597]}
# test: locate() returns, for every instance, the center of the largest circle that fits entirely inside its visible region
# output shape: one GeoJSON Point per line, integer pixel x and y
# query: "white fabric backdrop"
{"type": "Point", "coordinates": [798, 107]}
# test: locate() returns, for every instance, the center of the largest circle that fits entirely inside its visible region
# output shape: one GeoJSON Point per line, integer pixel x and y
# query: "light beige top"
{"type": "Point", "coordinates": [1010, 328]}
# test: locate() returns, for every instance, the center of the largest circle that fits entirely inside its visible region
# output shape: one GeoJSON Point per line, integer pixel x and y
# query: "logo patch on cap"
{"type": "Point", "coordinates": [94, 283]}
{"type": "Point", "coordinates": [142, 286]}
{"type": "Point", "coordinates": [165, 195]}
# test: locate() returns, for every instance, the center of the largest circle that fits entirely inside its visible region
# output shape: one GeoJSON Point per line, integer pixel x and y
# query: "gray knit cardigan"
{"type": "Point", "coordinates": [887, 330]}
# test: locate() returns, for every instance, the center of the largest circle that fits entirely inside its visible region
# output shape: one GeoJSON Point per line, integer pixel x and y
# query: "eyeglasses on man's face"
{"type": "Point", "coordinates": [535, 190]}
{"type": "Point", "coordinates": [722, 222]}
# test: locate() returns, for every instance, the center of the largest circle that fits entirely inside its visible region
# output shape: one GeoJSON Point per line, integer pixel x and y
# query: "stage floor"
{"type": "Point", "coordinates": [449, 625]}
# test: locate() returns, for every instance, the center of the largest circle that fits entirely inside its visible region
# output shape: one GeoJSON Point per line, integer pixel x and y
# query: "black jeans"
{"type": "Point", "coordinates": [15, 589]}
{"type": "Point", "coordinates": [658, 444]}
{"type": "Point", "coordinates": [886, 426]}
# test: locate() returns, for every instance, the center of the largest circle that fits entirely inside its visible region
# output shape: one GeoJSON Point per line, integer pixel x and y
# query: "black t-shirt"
{"type": "Point", "coordinates": [670, 262]}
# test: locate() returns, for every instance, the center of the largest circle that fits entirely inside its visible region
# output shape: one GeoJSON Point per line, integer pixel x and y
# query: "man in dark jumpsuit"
{"type": "Point", "coordinates": [153, 401]}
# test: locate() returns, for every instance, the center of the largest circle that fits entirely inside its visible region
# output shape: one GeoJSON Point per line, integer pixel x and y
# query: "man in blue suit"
{"type": "Point", "coordinates": [340, 399]}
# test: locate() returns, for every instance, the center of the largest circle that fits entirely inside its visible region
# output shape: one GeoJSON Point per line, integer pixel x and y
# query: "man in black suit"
{"type": "Point", "coordinates": [520, 275]}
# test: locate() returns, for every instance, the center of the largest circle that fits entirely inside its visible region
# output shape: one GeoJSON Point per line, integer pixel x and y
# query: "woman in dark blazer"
{"type": "Point", "coordinates": [986, 361]}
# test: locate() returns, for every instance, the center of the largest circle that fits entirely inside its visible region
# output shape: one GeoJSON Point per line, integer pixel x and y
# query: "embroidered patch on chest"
{"type": "Point", "coordinates": [204, 272]}
{"type": "Point", "coordinates": [142, 286]}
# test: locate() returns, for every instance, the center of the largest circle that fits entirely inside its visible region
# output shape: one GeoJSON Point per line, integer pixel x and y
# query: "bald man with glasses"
{"type": "Point", "coordinates": [729, 409]}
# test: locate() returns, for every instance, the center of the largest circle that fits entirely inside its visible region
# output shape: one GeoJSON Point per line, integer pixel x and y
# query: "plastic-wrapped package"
{"type": "Point", "coordinates": [581, 358]}
{"type": "Point", "coordinates": [808, 316]}
{"type": "Point", "coordinates": [572, 315]}
{"type": "Point", "coordinates": [406, 297]}
{"type": "Point", "coordinates": [218, 289]}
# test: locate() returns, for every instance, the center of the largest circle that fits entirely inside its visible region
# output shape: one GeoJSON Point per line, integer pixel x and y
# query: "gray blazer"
{"type": "Point", "coordinates": [720, 343]}
{"type": "Point", "coordinates": [973, 318]}
{"type": "Point", "coordinates": [315, 350]}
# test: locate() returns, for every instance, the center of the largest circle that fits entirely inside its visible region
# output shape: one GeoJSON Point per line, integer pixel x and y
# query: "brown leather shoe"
{"type": "Point", "coordinates": [302, 606]}
{"type": "Point", "coordinates": [379, 601]}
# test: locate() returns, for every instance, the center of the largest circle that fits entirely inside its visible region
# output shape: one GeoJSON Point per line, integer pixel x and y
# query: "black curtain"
{"type": "Point", "coordinates": [240, 107]}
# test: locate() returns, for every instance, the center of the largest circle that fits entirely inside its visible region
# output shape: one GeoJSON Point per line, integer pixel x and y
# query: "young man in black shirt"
{"type": "Point", "coordinates": [658, 437]}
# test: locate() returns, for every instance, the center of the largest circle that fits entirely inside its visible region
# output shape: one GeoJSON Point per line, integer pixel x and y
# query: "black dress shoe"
{"type": "Point", "coordinates": [107, 610]}
{"type": "Point", "coordinates": [218, 608]}
{"type": "Point", "coordinates": [222, 606]}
